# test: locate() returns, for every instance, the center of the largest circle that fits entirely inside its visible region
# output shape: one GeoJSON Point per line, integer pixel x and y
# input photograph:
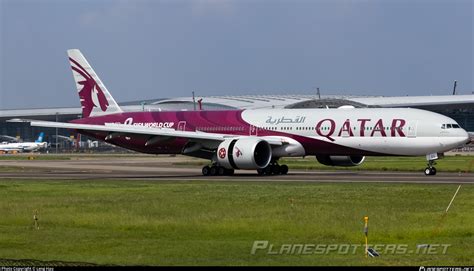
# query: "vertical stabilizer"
{"type": "Point", "coordinates": [95, 99]}
{"type": "Point", "coordinates": [40, 138]}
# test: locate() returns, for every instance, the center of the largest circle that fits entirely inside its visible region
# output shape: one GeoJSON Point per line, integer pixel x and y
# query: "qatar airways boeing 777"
{"type": "Point", "coordinates": [256, 139]}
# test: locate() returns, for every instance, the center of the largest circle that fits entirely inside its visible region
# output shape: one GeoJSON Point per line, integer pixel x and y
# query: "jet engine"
{"type": "Point", "coordinates": [341, 161]}
{"type": "Point", "coordinates": [244, 153]}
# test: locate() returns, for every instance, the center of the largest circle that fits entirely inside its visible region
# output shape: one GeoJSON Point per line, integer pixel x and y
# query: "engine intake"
{"type": "Point", "coordinates": [341, 161]}
{"type": "Point", "coordinates": [244, 153]}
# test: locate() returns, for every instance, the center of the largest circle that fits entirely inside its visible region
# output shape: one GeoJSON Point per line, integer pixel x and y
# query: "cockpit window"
{"type": "Point", "coordinates": [450, 125]}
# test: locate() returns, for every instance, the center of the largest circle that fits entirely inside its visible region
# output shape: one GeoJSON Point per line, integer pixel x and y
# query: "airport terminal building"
{"type": "Point", "coordinates": [458, 107]}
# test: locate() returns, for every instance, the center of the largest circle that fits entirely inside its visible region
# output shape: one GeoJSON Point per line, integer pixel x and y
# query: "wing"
{"type": "Point", "coordinates": [124, 129]}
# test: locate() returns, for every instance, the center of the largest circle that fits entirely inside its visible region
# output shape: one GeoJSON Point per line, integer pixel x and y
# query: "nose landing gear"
{"type": "Point", "coordinates": [431, 170]}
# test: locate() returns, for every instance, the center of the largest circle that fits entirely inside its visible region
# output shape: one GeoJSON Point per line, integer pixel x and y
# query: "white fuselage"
{"type": "Point", "coordinates": [397, 131]}
{"type": "Point", "coordinates": [20, 147]}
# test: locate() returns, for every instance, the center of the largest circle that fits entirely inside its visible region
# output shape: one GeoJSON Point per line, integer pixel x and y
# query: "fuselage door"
{"type": "Point", "coordinates": [253, 130]}
{"type": "Point", "coordinates": [182, 125]}
{"type": "Point", "coordinates": [411, 128]}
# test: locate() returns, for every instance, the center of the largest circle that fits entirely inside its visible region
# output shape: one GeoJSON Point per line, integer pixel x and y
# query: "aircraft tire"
{"type": "Point", "coordinates": [430, 171]}
{"type": "Point", "coordinates": [229, 172]}
{"type": "Point", "coordinates": [214, 171]}
{"type": "Point", "coordinates": [276, 169]}
{"type": "Point", "coordinates": [206, 171]}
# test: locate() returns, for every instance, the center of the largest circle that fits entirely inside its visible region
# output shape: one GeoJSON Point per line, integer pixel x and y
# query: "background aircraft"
{"type": "Point", "coordinates": [9, 139]}
{"type": "Point", "coordinates": [24, 146]}
{"type": "Point", "coordinates": [256, 139]}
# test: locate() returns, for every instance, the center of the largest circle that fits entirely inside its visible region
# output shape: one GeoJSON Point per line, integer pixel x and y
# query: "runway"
{"type": "Point", "coordinates": [152, 169]}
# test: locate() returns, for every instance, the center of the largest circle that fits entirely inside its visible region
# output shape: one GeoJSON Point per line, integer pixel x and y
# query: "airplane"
{"type": "Point", "coordinates": [257, 139]}
{"type": "Point", "coordinates": [10, 139]}
{"type": "Point", "coordinates": [24, 146]}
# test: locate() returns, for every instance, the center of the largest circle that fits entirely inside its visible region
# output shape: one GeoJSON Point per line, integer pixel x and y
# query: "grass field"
{"type": "Point", "coordinates": [204, 223]}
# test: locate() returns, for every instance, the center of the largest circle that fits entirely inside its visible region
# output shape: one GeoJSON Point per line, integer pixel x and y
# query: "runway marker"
{"type": "Point", "coordinates": [366, 232]}
{"type": "Point", "coordinates": [35, 218]}
{"type": "Point", "coordinates": [459, 187]}
{"type": "Point", "coordinates": [443, 217]}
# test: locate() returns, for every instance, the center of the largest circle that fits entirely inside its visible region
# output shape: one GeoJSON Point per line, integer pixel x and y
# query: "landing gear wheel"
{"type": "Point", "coordinates": [430, 171]}
{"type": "Point", "coordinates": [276, 169]}
{"type": "Point", "coordinates": [214, 171]}
{"type": "Point", "coordinates": [273, 169]}
{"type": "Point", "coordinates": [229, 172]}
{"type": "Point", "coordinates": [221, 171]}
{"type": "Point", "coordinates": [206, 171]}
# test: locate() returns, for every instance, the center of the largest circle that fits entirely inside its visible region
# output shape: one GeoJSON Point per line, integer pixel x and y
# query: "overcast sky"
{"type": "Point", "coordinates": [155, 49]}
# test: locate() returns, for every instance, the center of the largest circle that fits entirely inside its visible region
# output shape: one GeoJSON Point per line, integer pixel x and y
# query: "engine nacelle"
{"type": "Point", "coordinates": [341, 161]}
{"type": "Point", "coordinates": [244, 153]}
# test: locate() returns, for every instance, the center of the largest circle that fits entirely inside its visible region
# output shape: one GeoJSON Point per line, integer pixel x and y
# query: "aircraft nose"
{"type": "Point", "coordinates": [466, 137]}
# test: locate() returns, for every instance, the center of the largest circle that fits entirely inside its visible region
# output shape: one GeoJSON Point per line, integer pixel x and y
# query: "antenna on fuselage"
{"type": "Point", "coordinates": [454, 88]}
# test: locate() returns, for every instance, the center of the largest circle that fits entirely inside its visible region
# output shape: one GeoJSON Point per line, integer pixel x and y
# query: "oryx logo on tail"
{"type": "Point", "coordinates": [94, 96]}
{"type": "Point", "coordinates": [91, 94]}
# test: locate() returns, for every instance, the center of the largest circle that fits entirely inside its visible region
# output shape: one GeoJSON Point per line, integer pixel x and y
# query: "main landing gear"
{"type": "Point", "coordinates": [216, 170]}
{"type": "Point", "coordinates": [430, 170]}
{"type": "Point", "coordinates": [273, 169]}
